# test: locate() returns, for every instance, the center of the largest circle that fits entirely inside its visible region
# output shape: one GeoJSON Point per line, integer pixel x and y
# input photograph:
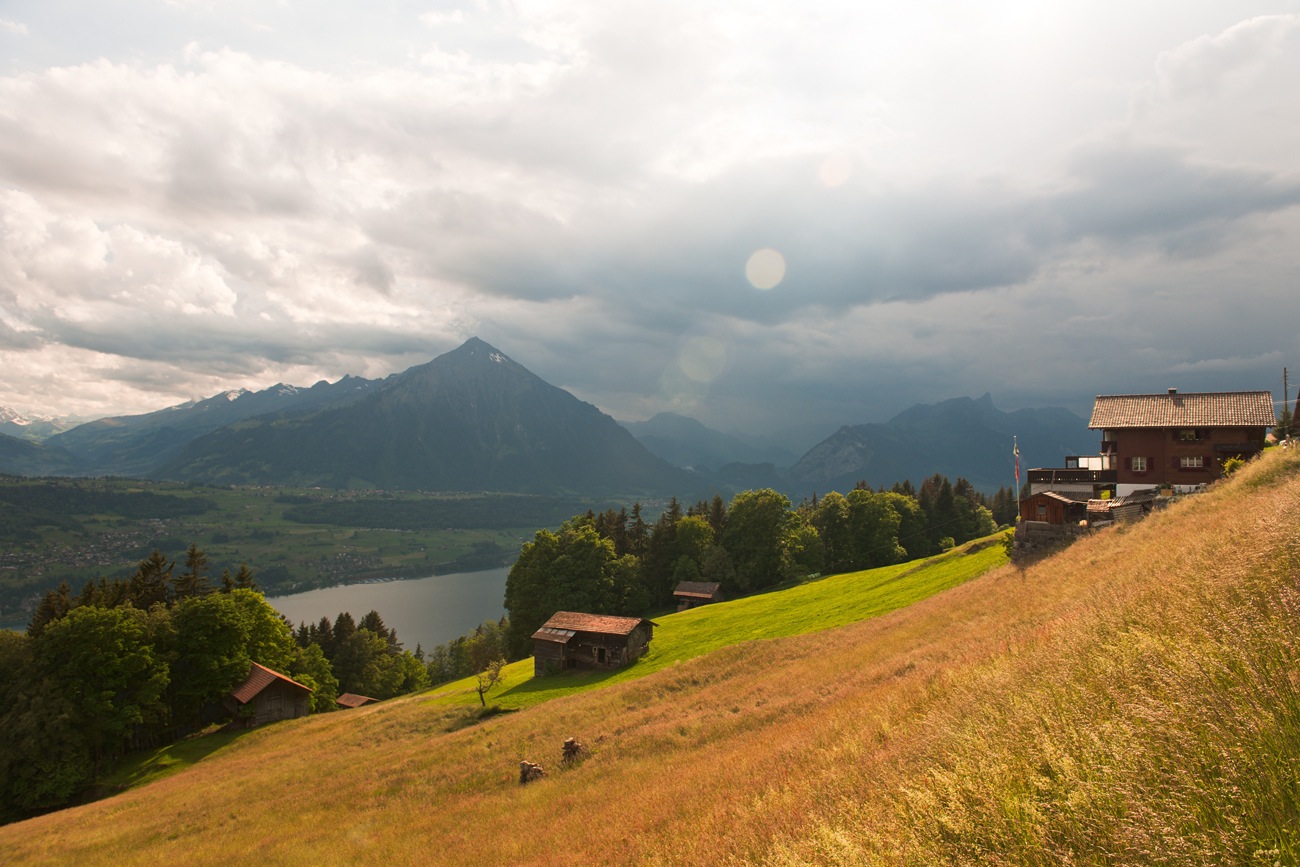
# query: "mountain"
{"type": "Point", "coordinates": [469, 420]}
{"type": "Point", "coordinates": [19, 457]}
{"type": "Point", "coordinates": [138, 444]}
{"type": "Point", "coordinates": [32, 427]}
{"type": "Point", "coordinates": [684, 442]}
{"type": "Point", "coordinates": [959, 437]}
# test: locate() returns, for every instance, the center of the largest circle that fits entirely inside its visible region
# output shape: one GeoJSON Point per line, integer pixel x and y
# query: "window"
{"type": "Point", "coordinates": [1189, 435]}
{"type": "Point", "coordinates": [1138, 465]}
{"type": "Point", "coordinates": [1191, 462]}
{"type": "Point", "coordinates": [1042, 511]}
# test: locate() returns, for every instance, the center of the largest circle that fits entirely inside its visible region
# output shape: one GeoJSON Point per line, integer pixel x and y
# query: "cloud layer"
{"type": "Point", "coordinates": [1044, 203]}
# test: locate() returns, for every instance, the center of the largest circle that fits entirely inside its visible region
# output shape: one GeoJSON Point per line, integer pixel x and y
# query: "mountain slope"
{"type": "Point", "coordinates": [958, 437]}
{"type": "Point", "coordinates": [20, 457]}
{"type": "Point", "coordinates": [138, 444]}
{"type": "Point", "coordinates": [1135, 694]}
{"type": "Point", "coordinates": [471, 419]}
{"type": "Point", "coordinates": [684, 442]}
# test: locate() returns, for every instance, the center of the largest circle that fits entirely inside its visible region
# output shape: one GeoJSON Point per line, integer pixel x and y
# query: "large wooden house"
{"type": "Point", "coordinates": [572, 640]}
{"type": "Point", "coordinates": [1179, 440]}
{"type": "Point", "coordinates": [267, 695]}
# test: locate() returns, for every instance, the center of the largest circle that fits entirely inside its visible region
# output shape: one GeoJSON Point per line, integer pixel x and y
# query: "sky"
{"type": "Point", "coordinates": [763, 214]}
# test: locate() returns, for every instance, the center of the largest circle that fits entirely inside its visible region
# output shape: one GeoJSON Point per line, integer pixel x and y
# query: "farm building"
{"type": "Point", "coordinates": [692, 594]}
{"type": "Point", "coordinates": [574, 640]}
{"type": "Point", "coordinates": [1054, 507]}
{"type": "Point", "coordinates": [351, 699]}
{"type": "Point", "coordinates": [266, 696]}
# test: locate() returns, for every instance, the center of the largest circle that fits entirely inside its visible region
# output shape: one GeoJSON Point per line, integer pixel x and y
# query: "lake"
{"type": "Point", "coordinates": [426, 611]}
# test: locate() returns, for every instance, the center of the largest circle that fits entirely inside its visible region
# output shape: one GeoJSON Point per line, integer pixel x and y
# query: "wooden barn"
{"type": "Point", "coordinates": [693, 594]}
{"type": "Point", "coordinates": [351, 699]}
{"type": "Point", "coordinates": [266, 696]}
{"type": "Point", "coordinates": [1053, 507]}
{"type": "Point", "coordinates": [572, 640]}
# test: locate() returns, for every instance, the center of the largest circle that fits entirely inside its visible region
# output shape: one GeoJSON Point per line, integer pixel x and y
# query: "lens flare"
{"type": "Point", "coordinates": [765, 268]}
{"type": "Point", "coordinates": [702, 359]}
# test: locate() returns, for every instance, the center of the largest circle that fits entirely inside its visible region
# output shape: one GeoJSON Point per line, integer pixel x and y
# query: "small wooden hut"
{"type": "Point", "coordinates": [693, 594]}
{"type": "Point", "coordinates": [266, 696]}
{"type": "Point", "coordinates": [572, 639]}
{"type": "Point", "coordinates": [351, 700]}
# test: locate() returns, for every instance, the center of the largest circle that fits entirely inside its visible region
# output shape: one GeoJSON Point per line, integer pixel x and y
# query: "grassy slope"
{"type": "Point", "coordinates": [1135, 699]}
{"type": "Point", "coordinates": [814, 606]}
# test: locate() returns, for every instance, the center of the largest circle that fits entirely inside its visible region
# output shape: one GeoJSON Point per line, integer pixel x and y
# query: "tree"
{"type": "Point", "coordinates": [757, 531]}
{"type": "Point", "coordinates": [572, 570]}
{"type": "Point", "coordinates": [151, 582]}
{"type": "Point", "coordinates": [310, 668]}
{"type": "Point", "coordinates": [212, 641]}
{"type": "Point", "coordinates": [194, 580]}
{"type": "Point", "coordinates": [103, 664]}
{"type": "Point", "coordinates": [831, 519]}
{"type": "Point", "coordinates": [485, 659]}
{"type": "Point", "coordinates": [270, 640]}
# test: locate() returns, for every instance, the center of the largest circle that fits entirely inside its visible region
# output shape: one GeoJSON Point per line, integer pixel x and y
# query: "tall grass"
{"type": "Point", "coordinates": [1132, 700]}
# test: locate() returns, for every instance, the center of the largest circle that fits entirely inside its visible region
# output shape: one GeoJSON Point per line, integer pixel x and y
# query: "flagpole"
{"type": "Point", "coordinates": [1015, 450]}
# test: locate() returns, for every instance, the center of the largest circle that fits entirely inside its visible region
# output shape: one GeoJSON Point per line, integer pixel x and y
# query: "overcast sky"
{"type": "Point", "coordinates": [756, 213]}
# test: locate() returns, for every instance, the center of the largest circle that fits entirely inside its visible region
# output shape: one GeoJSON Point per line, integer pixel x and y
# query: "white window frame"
{"type": "Point", "coordinates": [1191, 462]}
{"type": "Point", "coordinates": [1137, 464]}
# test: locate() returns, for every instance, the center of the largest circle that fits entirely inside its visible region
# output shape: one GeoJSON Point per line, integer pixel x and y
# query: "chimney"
{"type": "Point", "coordinates": [1173, 391]}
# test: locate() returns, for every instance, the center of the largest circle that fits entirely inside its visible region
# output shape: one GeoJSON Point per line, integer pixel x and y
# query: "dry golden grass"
{"type": "Point", "coordinates": [1135, 699]}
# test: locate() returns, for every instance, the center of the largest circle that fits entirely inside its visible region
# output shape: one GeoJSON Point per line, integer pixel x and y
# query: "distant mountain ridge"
{"type": "Point", "coordinates": [684, 442]}
{"type": "Point", "coordinates": [136, 445]}
{"type": "Point", "coordinates": [469, 420]}
{"type": "Point", "coordinates": [32, 426]}
{"type": "Point", "coordinates": [958, 437]}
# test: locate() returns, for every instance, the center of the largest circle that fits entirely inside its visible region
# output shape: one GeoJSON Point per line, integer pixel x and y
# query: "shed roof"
{"type": "Point", "coordinates": [351, 699]}
{"type": "Point", "coordinates": [1068, 497]}
{"type": "Point", "coordinates": [259, 678]}
{"type": "Point", "coordinates": [701, 589]}
{"type": "Point", "coordinates": [607, 624]}
{"type": "Point", "coordinates": [1172, 409]}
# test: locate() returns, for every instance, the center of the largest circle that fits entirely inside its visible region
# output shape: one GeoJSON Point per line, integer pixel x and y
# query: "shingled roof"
{"type": "Point", "coordinates": [573, 621]}
{"type": "Point", "coordinates": [697, 589]}
{"type": "Point", "coordinates": [1204, 409]}
{"type": "Point", "coordinates": [259, 679]}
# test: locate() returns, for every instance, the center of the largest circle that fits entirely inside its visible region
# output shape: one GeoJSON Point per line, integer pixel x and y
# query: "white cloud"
{"type": "Point", "coordinates": [582, 184]}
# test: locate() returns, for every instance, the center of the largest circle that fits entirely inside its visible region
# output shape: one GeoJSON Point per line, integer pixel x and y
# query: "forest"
{"type": "Point", "coordinates": [615, 562]}
{"type": "Point", "coordinates": [137, 663]}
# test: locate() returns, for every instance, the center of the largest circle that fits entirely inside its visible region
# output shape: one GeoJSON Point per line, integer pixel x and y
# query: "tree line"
{"type": "Point", "coordinates": [135, 663]}
{"type": "Point", "coordinates": [616, 562]}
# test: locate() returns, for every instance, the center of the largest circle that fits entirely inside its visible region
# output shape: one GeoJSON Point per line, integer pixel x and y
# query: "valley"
{"type": "Point", "coordinates": [296, 539]}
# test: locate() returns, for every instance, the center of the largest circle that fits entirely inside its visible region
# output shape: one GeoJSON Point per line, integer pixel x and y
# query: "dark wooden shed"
{"type": "Point", "coordinates": [692, 594]}
{"type": "Point", "coordinates": [1054, 507]}
{"type": "Point", "coordinates": [572, 640]}
{"type": "Point", "coordinates": [266, 696]}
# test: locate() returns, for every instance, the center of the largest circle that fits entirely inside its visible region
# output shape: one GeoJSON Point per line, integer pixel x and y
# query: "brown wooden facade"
{"type": "Point", "coordinates": [693, 594]}
{"type": "Point", "coordinates": [266, 696]}
{"type": "Point", "coordinates": [1054, 508]}
{"type": "Point", "coordinates": [573, 640]}
{"type": "Point", "coordinates": [1179, 440]}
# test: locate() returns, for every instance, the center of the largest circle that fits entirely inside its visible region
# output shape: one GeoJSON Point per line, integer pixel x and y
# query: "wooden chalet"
{"type": "Point", "coordinates": [693, 594]}
{"type": "Point", "coordinates": [1176, 440]}
{"type": "Point", "coordinates": [351, 700]}
{"type": "Point", "coordinates": [267, 696]}
{"type": "Point", "coordinates": [572, 640]}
